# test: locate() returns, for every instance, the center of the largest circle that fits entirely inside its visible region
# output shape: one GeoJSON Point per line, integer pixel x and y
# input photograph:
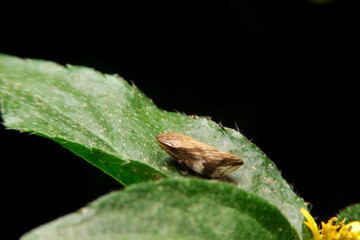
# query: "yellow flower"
{"type": "Point", "coordinates": [331, 230]}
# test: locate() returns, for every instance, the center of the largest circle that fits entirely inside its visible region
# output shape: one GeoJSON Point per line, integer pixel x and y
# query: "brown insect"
{"type": "Point", "coordinates": [198, 156]}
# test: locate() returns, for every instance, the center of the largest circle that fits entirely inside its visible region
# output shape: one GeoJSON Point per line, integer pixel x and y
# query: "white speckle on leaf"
{"type": "Point", "coordinates": [269, 180]}
{"type": "Point", "coordinates": [84, 210]}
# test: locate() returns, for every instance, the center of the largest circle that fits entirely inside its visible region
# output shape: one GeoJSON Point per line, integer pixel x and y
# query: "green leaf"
{"type": "Point", "coordinates": [173, 209]}
{"type": "Point", "coordinates": [113, 126]}
{"type": "Point", "coordinates": [351, 213]}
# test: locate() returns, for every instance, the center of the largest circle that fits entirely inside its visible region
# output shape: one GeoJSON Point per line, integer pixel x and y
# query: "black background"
{"type": "Point", "coordinates": [284, 71]}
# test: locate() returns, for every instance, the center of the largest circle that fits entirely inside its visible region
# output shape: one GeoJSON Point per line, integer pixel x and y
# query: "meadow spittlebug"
{"type": "Point", "coordinates": [198, 156]}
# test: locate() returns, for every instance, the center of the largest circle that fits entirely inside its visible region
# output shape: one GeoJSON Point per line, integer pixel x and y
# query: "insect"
{"type": "Point", "coordinates": [198, 156]}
